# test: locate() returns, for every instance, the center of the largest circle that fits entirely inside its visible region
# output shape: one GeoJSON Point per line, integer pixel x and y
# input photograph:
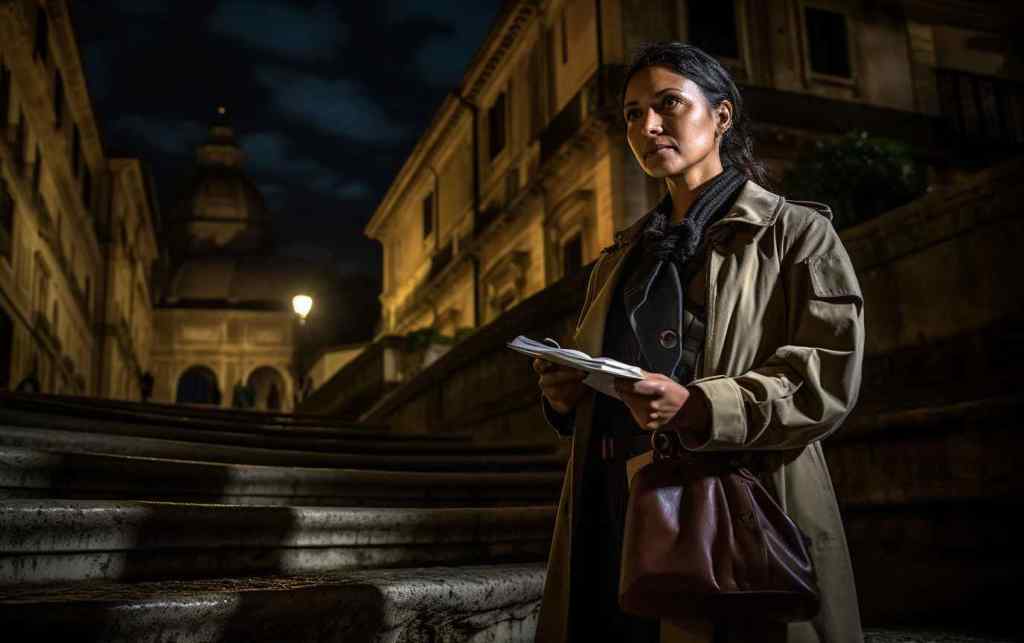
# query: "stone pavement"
{"type": "Point", "coordinates": [919, 636]}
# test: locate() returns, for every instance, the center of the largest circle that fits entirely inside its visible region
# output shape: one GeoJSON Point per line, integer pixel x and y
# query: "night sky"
{"type": "Point", "coordinates": [327, 98]}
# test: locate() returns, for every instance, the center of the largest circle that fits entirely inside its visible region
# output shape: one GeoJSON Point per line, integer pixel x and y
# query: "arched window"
{"type": "Point", "coordinates": [198, 385]}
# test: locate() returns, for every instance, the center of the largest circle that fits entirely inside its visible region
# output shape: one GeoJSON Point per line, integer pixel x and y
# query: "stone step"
{"type": "Point", "coordinates": [47, 541]}
{"type": "Point", "coordinates": [268, 418]}
{"type": "Point", "coordinates": [13, 404]}
{"type": "Point", "coordinates": [267, 439]}
{"type": "Point", "coordinates": [70, 441]}
{"type": "Point", "coordinates": [438, 604]}
{"type": "Point", "coordinates": [990, 412]}
{"type": "Point", "coordinates": [27, 473]}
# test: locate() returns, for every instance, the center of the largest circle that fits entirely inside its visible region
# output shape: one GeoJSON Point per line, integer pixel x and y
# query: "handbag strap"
{"type": "Point", "coordinates": [667, 445]}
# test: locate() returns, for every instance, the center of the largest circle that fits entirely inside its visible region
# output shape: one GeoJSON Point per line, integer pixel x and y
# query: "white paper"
{"type": "Point", "coordinates": [602, 371]}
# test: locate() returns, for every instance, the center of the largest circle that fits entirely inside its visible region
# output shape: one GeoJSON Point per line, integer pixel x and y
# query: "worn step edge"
{"type": "Point", "coordinates": [986, 411]}
{"type": "Point", "coordinates": [186, 414]}
{"type": "Point", "coordinates": [447, 604]}
{"type": "Point", "coordinates": [195, 423]}
{"type": "Point", "coordinates": [46, 526]}
{"type": "Point", "coordinates": [74, 442]}
{"type": "Point", "coordinates": [232, 437]}
{"type": "Point", "coordinates": [63, 541]}
{"type": "Point", "coordinates": [28, 473]}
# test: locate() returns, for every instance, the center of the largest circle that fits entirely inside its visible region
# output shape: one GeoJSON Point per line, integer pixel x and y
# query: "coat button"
{"type": "Point", "coordinates": [668, 338]}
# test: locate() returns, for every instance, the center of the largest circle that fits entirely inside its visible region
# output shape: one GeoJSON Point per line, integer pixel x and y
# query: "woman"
{"type": "Point", "coordinates": [745, 310]}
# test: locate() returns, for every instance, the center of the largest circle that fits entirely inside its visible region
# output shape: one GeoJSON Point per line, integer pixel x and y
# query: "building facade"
{"type": "Point", "coordinates": [524, 176]}
{"type": "Point", "coordinates": [62, 204]}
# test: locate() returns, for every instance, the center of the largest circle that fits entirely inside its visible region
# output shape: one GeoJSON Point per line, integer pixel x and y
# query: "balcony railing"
{"type": "Point", "coordinates": [596, 97]}
{"type": "Point", "coordinates": [982, 112]}
{"type": "Point", "coordinates": [440, 261]}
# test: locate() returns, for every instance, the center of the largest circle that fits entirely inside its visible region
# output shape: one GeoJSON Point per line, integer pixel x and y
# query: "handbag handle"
{"type": "Point", "coordinates": [666, 445]}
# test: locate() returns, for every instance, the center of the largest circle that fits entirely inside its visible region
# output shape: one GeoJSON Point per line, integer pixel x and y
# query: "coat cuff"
{"type": "Point", "coordinates": [727, 414]}
{"type": "Point", "coordinates": [562, 423]}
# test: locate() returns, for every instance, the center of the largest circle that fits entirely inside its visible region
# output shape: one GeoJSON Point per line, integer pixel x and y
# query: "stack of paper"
{"type": "Point", "coordinates": [602, 371]}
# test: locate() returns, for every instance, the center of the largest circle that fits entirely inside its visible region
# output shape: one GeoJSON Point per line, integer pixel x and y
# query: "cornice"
{"type": "Point", "coordinates": [499, 43]}
{"type": "Point", "coordinates": [76, 88]}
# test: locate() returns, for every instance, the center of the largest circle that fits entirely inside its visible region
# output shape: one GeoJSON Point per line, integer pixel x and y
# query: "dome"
{"type": "Point", "coordinates": [244, 281]}
{"type": "Point", "coordinates": [222, 208]}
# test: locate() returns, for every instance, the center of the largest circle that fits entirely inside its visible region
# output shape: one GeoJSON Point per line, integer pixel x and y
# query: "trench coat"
{"type": "Point", "coordinates": [781, 370]}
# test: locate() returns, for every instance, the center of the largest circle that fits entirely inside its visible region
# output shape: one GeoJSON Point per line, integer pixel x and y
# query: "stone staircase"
{"type": "Point", "coordinates": [129, 522]}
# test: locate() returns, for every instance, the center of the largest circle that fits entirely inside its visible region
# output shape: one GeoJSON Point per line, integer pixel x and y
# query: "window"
{"type": "Point", "coordinates": [5, 94]}
{"type": "Point", "coordinates": [58, 99]}
{"type": "Point", "coordinates": [76, 151]}
{"type": "Point", "coordinates": [828, 43]}
{"type": "Point", "coordinates": [37, 170]}
{"type": "Point", "coordinates": [86, 187]}
{"type": "Point", "coordinates": [6, 220]}
{"type": "Point", "coordinates": [572, 254]}
{"type": "Point", "coordinates": [428, 215]}
{"type": "Point", "coordinates": [42, 44]}
{"type": "Point", "coordinates": [562, 27]}
{"type": "Point", "coordinates": [21, 139]}
{"type": "Point", "coordinates": [712, 27]}
{"type": "Point", "coordinates": [496, 125]}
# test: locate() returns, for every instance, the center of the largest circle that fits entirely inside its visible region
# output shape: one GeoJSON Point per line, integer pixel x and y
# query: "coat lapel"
{"type": "Point", "coordinates": [589, 336]}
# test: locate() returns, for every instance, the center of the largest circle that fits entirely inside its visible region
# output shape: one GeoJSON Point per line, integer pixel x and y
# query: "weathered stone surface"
{"type": "Point", "coordinates": [436, 605]}
{"type": "Point", "coordinates": [60, 540]}
{"type": "Point", "coordinates": [230, 434]}
{"type": "Point", "coordinates": [200, 417]}
{"type": "Point", "coordinates": [911, 636]}
{"type": "Point", "coordinates": [28, 473]}
{"type": "Point", "coordinates": [77, 442]}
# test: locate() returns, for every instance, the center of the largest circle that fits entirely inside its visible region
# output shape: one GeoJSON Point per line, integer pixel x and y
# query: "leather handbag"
{"type": "Point", "coordinates": [704, 540]}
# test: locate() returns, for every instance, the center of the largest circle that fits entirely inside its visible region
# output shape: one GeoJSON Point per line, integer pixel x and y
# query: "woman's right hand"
{"type": "Point", "coordinates": [562, 386]}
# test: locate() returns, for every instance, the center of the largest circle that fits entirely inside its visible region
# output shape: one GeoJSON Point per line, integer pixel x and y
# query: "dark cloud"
{"type": "Point", "coordinates": [342, 107]}
{"type": "Point", "coordinates": [281, 27]}
{"type": "Point", "coordinates": [165, 135]}
{"type": "Point", "coordinates": [443, 58]}
{"type": "Point", "coordinates": [274, 154]}
{"type": "Point", "coordinates": [144, 7]}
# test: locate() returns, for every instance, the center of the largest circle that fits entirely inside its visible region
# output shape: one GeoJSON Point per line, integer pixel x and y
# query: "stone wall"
{"type": "Point", "coordinates": [924, 466]}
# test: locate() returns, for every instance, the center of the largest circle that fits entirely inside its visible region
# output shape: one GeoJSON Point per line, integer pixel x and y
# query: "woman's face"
{"type": "Point", "coordinates": [670, 125]}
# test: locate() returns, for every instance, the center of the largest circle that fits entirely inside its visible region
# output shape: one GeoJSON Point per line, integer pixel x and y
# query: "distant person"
{"type": "Point", "coordinates": [745, 312]}
{"type": "Point", "coordinates": [273, 398]}
{"type": "Point", "coordinates": [146, 382]}
{"type": "Point", "coordinates": [30, 383]}
{"type": "Point", "coordinates": [243, 396]}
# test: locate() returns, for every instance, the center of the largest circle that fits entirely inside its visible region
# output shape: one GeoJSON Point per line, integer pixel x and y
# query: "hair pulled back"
{"type": "Point", "coordinates": [715, 82]}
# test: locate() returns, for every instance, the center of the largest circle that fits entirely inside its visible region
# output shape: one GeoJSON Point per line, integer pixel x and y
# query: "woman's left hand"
{"type": "Point", "coordinates": [654, 401]}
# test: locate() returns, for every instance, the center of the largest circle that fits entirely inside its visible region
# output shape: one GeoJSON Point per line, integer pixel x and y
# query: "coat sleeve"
{"type": "Point", "coordinates": [806, 387]}
{"type": "Point", "coordinates": [564, 424]}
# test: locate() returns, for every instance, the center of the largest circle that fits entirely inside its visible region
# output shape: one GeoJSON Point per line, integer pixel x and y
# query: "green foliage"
{"type": "Point", "coordinates": [858, 175]}
{"type": "Point", "coordinates": [419, 339]}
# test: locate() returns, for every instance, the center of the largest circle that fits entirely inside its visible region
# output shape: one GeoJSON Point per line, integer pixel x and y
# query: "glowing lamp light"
{"type": "Point", "coordinates": [302, 304]}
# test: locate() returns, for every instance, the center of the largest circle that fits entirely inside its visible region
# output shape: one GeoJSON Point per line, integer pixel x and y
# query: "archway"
{"type": "Point", "coordinates": [198, 385]}
{"type": "Point", "coordinates": [268, 388]}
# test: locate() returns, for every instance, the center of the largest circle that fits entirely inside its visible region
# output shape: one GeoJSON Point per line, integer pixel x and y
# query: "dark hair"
{"type": "Point", "coordinates": [737, 146]}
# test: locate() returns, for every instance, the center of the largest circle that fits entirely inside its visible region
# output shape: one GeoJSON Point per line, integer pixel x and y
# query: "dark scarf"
{"type": "Point", "coordinates": [655, 292]}
{"type": "Point", "coordinates": [681, 241]}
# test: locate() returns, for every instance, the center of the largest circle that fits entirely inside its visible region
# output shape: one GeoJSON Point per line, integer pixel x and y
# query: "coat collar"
{"type": "Point", "coordinates": [754, 206]}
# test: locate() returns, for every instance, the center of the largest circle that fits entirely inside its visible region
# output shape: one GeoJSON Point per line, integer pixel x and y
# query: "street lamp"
{"type": "Point", "coordinates": [302, 304]}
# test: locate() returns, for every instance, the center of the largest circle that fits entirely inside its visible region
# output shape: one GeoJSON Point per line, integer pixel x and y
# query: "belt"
{"type": "Point", "coordinates": [613, 447]}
